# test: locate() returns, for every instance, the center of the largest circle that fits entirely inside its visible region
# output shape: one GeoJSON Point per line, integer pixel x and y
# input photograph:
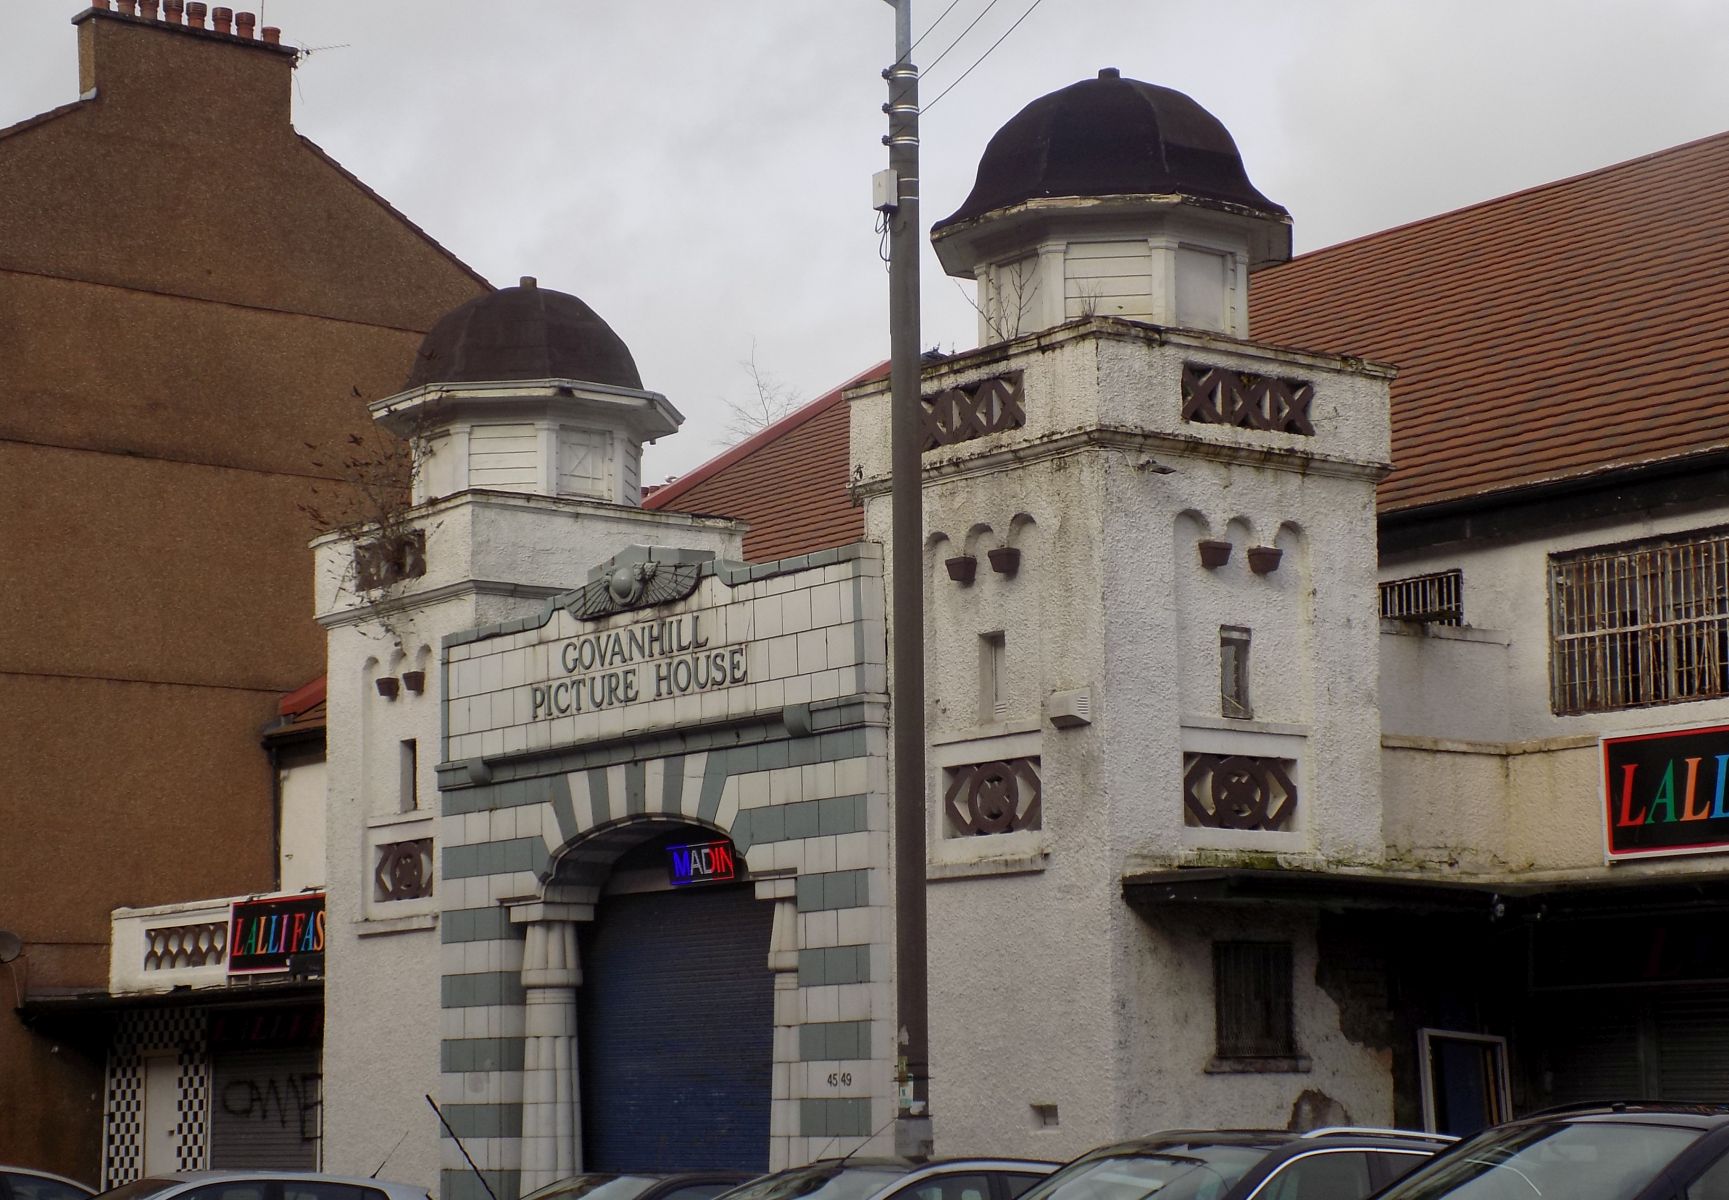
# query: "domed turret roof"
{"type": "Point", "coordinates": [1111, 136]}
{"type": "Point", "coordinates": [525, 332]}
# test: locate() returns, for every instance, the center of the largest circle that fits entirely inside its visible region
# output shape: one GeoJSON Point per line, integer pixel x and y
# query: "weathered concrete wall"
{"type": "Point", "coordinates": [1105, 1015]}
{"type": "Point", "coordinates": [1482, 774]}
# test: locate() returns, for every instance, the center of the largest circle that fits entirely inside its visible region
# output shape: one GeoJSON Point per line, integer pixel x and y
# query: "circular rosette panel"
{"type": "Point", "coordinates": [1234, 791]}
{"type": "Point", "coordinates": [993, 797]}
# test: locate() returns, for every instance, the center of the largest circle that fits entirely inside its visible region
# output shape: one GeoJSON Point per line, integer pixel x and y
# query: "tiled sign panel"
{"type": "Point", "coordinates": [730, 649]}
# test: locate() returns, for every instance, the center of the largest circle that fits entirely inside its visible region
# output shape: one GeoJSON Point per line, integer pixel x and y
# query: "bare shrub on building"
{"type": "Point", "coordinates": [771, 399]}
{"type": "Point", "coordinates": [365, 492]}
{"type": "Point", "coordinates": [1008, 299]}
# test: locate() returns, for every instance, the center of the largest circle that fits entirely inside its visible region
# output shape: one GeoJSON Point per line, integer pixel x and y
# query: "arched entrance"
{"type": "Point", "coordinates": [676, 1015]}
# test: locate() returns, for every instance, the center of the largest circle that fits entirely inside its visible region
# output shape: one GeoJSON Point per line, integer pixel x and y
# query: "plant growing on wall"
{"type": "Point", "coordinates": [365, 492]}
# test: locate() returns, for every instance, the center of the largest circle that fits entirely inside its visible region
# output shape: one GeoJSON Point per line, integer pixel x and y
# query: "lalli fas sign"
{"type": "Point", "coordinates": [1666, 793]}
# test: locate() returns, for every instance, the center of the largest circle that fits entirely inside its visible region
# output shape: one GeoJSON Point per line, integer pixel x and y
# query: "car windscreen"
{"type": "Point", "coordinates": [595, 1187]}
{"type": "Point", "coordinates": [1182, 1172]}
{"type": "Point", "coordinates": [141, 1189]}
{"type": "Point", "coordinates": [1580, 1160]}
{"type": "Point", "coordinates": [820, 1182]}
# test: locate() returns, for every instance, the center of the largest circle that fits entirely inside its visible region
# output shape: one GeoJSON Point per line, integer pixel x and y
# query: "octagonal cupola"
{"type": "Point", "coordinates": [1112, 197]}
{"type": "Point", "coordinates": [526, 390]}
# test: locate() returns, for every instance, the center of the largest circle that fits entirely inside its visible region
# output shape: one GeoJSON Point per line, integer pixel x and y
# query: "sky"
{"type": "Point", "coordinates": [699, 172]}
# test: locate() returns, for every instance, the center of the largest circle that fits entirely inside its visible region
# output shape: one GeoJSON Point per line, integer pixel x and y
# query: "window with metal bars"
{"type": "Point", "coordinates": [1640, 623]}
{"type": "Point", "coordinates": [1435, 599]}
{"type": "Point", "coordinates": [1252, 1000]}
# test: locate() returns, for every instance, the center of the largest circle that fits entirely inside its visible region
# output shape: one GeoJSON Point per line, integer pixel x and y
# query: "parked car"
{"type": "Point", "coordinates": [898, 1179]}
{"type": "Point", "coordinates": [261, 1185]}
{"type": "Point", "coordinates": [1634, 1151]}
{"type": "Point", "coordinates": [1244, 1164]}
{"type": "Point", "coordinates": [25, 1183]}
{"type": "Point", "coordinates": [642, 1185]}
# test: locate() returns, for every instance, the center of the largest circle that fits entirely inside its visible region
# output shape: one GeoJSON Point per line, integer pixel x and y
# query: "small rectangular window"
{"type": "Point", "coordinates": [1435, 599]}
{"type": "Point", "coordinates": [993, 678]}
{"type": "Point", "coordinates": [1252, 1000]}
{"type": "Point", "coordinates": [409, 784]}
{"type": "Point", "coordinates": [1202, 285]}
{"type": "Point", "coordinates": [1234, 672]}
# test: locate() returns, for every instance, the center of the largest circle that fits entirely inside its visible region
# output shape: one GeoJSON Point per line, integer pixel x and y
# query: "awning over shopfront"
{"type": "Point", "coordinates": [50, 1011]}
{"type": "Point", "coordinates": [1490, 899]}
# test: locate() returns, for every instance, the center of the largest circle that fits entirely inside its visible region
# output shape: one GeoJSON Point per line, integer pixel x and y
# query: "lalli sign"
{"type": "Point", "coordinates": [1666, 793]}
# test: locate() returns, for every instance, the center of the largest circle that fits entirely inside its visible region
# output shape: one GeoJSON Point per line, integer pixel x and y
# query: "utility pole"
{"type": "Point", "coordinates": [898, 199]}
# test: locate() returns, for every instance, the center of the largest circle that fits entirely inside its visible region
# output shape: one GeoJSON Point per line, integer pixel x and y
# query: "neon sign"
{"type": "Point", "coordinates": [702, 862]}
{"type": "Point", "coordinates": [263, 933]}
{"type": "Point", "coordinates": [1666, 793]}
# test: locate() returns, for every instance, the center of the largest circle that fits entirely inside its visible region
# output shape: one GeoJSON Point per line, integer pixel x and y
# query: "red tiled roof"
{"type": "Point", "coordinates": [304, 698]}
{"type": "Point", "coordinates": [789, 481]}
{"type": "Point", "coordinates": [1557, 332]}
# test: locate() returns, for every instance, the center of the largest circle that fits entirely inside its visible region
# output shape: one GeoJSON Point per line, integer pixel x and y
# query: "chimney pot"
{"type": "Point", "coordinates": [245, 24]}
{"type": "Point", "coordinates": [273, 35]}
{"type": "Point", "coordinates": [102, 4]}
{"type": "Point", "coordinates": [147, 8]}
{"type": "Point", "coordinates": [129, 7]}
{"type": "Point", "coordinates": [173, 11]}
{"type": "Point", "coordinates": [195, 10]}
{"type": "Point", "coordinates": [222, 19]}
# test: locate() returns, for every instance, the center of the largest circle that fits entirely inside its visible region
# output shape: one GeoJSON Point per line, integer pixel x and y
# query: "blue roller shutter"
{"type": "Point", "coordinates": [677, 1031]}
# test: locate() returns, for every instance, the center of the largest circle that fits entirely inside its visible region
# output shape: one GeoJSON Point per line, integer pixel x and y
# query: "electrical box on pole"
{"type": "Point", "coordinates": [885, 191]}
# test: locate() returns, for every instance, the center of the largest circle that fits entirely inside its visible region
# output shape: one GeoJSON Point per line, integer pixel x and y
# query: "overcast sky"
{"type": "Point", "coordinates": [699, 171]}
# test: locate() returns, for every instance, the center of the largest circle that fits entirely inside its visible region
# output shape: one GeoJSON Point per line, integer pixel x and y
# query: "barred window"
{"type": "Point", "coordinates": [1640, 623]}
{"type": "Point", "coordinates": [1436, 599]}
{"type": "Point", "coordinates": [1252, 1000]}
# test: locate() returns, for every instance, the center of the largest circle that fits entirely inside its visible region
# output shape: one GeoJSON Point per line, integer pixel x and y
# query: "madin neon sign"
{"type": "Point", "coordinates": [702, 862]}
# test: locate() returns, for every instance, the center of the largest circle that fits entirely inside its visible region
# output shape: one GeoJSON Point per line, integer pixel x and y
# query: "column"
{"type": "Point", "coordinates": [551, 1138]}
{"type": "Point", "coordinates": [788, 1016]}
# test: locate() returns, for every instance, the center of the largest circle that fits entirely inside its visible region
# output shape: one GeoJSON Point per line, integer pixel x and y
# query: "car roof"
{"type": "Point", "coordinates": [882, 1163]}
{"type": "Point", "coordinates": [9, 1169]}
{"type": "Point", "coordinates": [1272, 1139]}
{"type": "Point", "coordinates": [304, 1176]}
{"type": "Point", "coordinates": [1635, 1112]}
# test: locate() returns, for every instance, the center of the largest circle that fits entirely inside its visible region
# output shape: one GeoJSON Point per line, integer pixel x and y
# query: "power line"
{"type": "Point", "coordinates": [929, 29]}
{"type": "Point", "coordinates": [951, 87]}
{"type": "Point", "coordinates": [963, 35]}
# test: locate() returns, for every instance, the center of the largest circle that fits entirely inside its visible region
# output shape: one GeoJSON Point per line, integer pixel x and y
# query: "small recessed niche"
{"type": "Point", "coordinates": [993, 677]}
{"type": "Point", "coordinates": [1234, 673]}
{"type": "Point", "coordinates": [1044, 1116]}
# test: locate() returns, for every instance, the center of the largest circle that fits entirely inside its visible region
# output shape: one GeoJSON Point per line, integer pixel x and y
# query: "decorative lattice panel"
{"type": "Point", "coordinates": [172, 946]}
{"type": "Point", "coordinates": [1215, 396]}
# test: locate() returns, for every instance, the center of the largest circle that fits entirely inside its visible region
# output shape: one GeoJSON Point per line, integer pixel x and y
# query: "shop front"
{"type": "Point", "coordinates": [213, 1029]}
